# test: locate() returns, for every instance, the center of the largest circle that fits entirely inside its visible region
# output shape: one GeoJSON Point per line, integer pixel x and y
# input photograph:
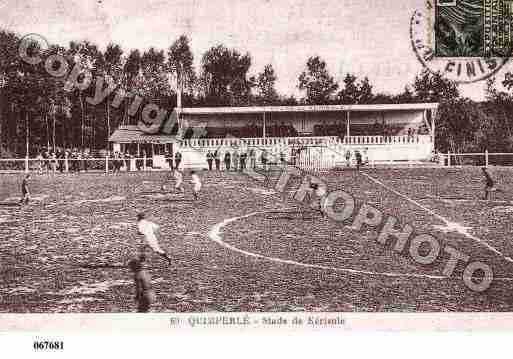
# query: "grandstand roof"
{"type": "Point", "coordinates": [312, 108]}
{"type": "Point", "coordinates": [132, 133]}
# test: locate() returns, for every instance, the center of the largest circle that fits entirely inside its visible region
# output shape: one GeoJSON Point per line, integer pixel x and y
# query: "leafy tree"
{"type": "Point", "coordinates": [354, 91]}
{"type": "Point", "coordinates": [317, 82]}
{"type": "Point", "coordinates": [265, 85]}
{"type": "Point", "coordinates": [113, 72]}
{"type": "Point", "coordinates": [180, 64]}
{"type": "Point", "coordinates": [225, 76]}
{"type": "Point", "coordinates": [433, 87]}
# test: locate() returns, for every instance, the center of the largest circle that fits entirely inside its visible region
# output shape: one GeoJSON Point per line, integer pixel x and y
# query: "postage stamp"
{"type": "Point", "coordinates": [466, 41]}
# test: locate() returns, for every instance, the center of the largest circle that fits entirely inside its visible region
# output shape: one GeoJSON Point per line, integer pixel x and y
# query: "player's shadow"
{"type": "Point", "coordinates": [9, 204]}
{"type": "Point", "coordinates": [101, 266]}
{"type": "Point", "coordinates": [290, 216]}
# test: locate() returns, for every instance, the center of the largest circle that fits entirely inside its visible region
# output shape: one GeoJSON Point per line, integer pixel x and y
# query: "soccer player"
{"type": "Point", "coordinates": [25, 192]}
{"type": "Point", "coordinates": [348, 158]}
{"type": "Point", "coordinates": [358, 157]}
{"type": "Point", "coordinates": [320, 193]}
{"type": "Point", "coordinates": [196, 182]}
{"type": "Point", "coordinates": [178, 180]}
{"type": "Point", "coordinates": [151, 231]}
{"type": "Point", "coordinates": [144, 293]}
{"type": "Point", "coordinates": [489, 184]}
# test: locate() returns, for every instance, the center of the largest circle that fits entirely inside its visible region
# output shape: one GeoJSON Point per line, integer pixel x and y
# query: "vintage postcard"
{"type": "Point", "coordinates": [183, 165]}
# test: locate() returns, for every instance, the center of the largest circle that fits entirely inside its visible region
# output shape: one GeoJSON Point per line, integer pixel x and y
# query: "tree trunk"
{"type": "Point", "coordinates": [1, 115]}
{"type": "Point", "coordinates": [53, 134]}
{"type": "Point", "coordinates": [82, 120]}
{"type": "Point", "coordinates": [47, 132]}
{"type": "Point", "coordinates": [108, 123]}
{"type": "Point", "coordinates": [27, 134]}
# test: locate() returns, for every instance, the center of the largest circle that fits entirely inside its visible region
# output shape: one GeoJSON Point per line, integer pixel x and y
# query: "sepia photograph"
{"type": "Point", "coordinates": [256, 163]}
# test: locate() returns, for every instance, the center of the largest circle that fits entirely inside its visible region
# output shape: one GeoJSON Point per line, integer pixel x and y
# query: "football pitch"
{"type": "Point", "coordinates": [245, 247]}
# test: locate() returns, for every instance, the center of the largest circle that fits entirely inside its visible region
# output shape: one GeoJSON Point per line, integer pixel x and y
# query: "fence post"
{"type": "Point", "coordinates": [66, 163]}
{"type": "Point", "coordinates": [448, 158]}
{"type": "Point", "coordinates": [486, 159]}
{"type": "Point", "coordinates": [26, 164]}
{"type": "Point", "coordinates": [107, 163]}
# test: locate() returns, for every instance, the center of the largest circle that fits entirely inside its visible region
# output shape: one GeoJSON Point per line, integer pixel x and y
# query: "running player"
{"type": "Point", "coordinates": [196, 182]}
{"type": "Point", "coordinates": [178, 180]}
{"type": "Point", "coordinates": [25, 193]}
{"type": "Point", "coordinates": [489, 184]}
{"type": "Point", "coordinates": [151, 232]}
{"type": "Point", "coordinates": [320, 193]}
{"type": "Point", "coordinates": [144, 293]}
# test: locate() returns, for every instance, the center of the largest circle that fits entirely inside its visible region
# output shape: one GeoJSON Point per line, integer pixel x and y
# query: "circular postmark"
{"type": "Point", "coordinates": [445, 40]}
{"type": "Point", "coordinates": [31, 46]}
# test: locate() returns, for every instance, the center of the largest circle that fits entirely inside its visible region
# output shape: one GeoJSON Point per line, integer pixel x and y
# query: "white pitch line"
{"type": "Point", "coordinates": [215, 235]}
{"type": "Point", "coordinates": [443, 219]}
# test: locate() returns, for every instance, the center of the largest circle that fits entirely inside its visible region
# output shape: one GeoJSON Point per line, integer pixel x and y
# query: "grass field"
{"type": "Point", "coordinates": [229, 248]}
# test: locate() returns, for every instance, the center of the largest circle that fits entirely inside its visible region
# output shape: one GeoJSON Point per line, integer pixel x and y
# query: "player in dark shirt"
{"type": "Point", "coordinates": [144, 293]}
{"type": "Point", "coordinates": [25, 193]}
{"type": "Point", "coordinates": [358, 157]}
{"type": "Point", "coordinates": [489, 185]}
{"type": "Point", "coordinates": [320, 193]}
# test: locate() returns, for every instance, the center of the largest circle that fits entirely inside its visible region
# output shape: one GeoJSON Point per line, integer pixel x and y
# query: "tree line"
{"type": "Point", "coordinates": [43, 111]}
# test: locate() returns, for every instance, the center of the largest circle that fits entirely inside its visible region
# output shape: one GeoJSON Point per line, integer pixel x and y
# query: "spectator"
{"type": "Point", "coordinates": [60, 159]}
{"type": "Point", "coordinates": [282, 157]}
{"type": "Point", "coordinates": [217, 160]}
{"type": "Point", "coordinates": [236, 158]}
{"type": "Point", "coordinates": [227, 160]}
{"type": "Point", "coordinates": [85, 158]}
{"type": "Point", "coordinates": [263, 159]}
{"type": "Point", "coordinates": [252, 159]}
{"type": "Point", "coordinates": [178, 159]}
{"type": "Point", "coordinates": [39, 163]}
{"type": "Point", "coordinates": [53, 162]}
{"type": "Point", "coordinates": [46, 161]}
{"type": "Point", "coordinates": [210, 158]}
{"type": "Point", "coordinates": [243, 158]}
{"type": "Point", "coordinates": [169, 160]}
{"type": "Point", "coordinates": [348, 158]}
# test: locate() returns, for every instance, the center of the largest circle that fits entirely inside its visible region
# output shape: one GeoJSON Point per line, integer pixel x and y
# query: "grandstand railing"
{"type": "Point", "coordinates": [305, 141]}
{"type": "Point", "coordinates": [386, 140]}
{"type": "Point", "coordinates": [257, 141]}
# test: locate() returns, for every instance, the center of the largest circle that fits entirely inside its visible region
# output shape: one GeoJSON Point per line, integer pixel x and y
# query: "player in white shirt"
{"type": "Point", "coordinates": [196, 182]}
{"type": "Point", "coordinates": [178, 180]}
{"type": "Point", "coordinates": [151, 232]}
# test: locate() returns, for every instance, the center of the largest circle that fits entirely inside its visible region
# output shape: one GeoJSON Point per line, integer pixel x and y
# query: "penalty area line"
{"type": "Point", "coordinates": [447, 222]}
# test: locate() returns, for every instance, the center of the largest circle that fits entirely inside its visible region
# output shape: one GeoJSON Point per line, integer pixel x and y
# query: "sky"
{"type": "Point", "coordinates": [367, 38]}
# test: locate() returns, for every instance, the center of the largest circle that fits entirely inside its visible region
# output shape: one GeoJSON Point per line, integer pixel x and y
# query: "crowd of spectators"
{"type": "Point", "coordinates": [249, 131]}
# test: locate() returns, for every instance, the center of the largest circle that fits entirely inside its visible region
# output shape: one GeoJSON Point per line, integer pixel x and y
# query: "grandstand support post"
{"type": "Point", "coordinates": [486, 159]}
{"type": "Point", "coordinates": [107, 163]}
{"type": "Point", "coordinates": [448, 158]}
{"type": "Point", "coordinates": [347, 124]}
{"type": "Point", "coordinates": [263, 127]}
{"type": "Point", "coordinates": [26, 164]}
